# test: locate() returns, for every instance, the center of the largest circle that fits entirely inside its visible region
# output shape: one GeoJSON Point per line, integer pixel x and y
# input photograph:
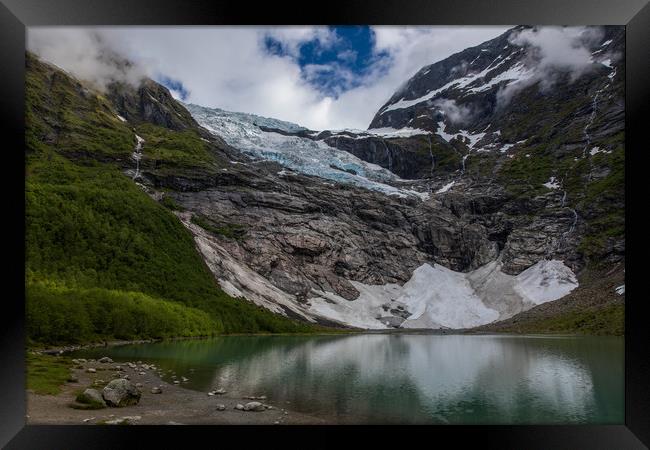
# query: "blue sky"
{"type": "Point", "coordinates": [318, 77]}
{"type": "Point", "coordinates": [338, 65]}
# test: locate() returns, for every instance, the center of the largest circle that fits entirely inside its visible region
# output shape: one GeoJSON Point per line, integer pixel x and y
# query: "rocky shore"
{"type": "Point", "coordinates": [95, 388]}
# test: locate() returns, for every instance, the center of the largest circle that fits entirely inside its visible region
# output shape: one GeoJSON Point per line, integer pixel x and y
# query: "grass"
{"type": "Point", "coordinates": [46, 373]}
{"type": "Point", "coordinates": [608, 320]}
{"type": "Point", "coordinates": [171, 204]}
{"type": "Point", "coordinates": [168, 150]}
{"type": "Point", "coordinates": [103, 259]}
{"type": "Point", "coordinates": [56, 313]}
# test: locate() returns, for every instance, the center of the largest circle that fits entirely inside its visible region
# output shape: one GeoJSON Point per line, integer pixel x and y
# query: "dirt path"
{"type": "Point", "coordinates": [175, 406]}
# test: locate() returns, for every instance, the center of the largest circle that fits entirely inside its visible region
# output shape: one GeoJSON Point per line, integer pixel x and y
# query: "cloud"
{"type": "Point", "coordinates": [232, 68]}
{"type": "Point", "coordinates": [347, 55]}
{"type": "Point", "coordinates": [553, 51]}
{"type": "Point", "coordinates": [456, 114]}
{"type": "Point", "coordinates": [290, 38]}
{"type": "Point", "coordinates": [86, 54]}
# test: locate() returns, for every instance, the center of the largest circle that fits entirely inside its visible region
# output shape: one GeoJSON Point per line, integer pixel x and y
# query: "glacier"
{"type": "Point", "coordinates": [308, 156]}
{"type": "Point", "coordinates": [439, 298]}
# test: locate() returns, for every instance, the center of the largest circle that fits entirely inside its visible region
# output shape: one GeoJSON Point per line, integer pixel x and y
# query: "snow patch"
{"type": "Point", "coordinates": [437, 297]}
{"type": "Point", "coordinates": [620, 290]}
{"type": "Point", "coordinates": [596, 150]}
{"type": "Point", "coordinates": [442, 133]}
{"type": "Point", "coordinates": [445, 188]}
{"type": "Point", "coordinates": [552, 183]}
{"type": "Point", "coordinates": [546, 281]}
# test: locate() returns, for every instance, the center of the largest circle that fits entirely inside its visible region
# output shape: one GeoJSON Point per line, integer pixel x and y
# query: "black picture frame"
{"type": "Point", "coordinates": [15, 15]}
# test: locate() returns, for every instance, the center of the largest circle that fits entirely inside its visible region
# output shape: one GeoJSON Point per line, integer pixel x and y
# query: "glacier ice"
{"type": "Point", "coordinates": [311, 157]}
{"type": "Point", "coordinates": [438, 297]}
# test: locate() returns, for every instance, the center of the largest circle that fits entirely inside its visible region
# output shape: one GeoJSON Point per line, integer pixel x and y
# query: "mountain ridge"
{"type": "Point", "coordinates": [304, 240]}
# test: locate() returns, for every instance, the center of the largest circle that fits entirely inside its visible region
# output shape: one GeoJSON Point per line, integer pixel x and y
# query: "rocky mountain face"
{"type": "Point", "coordinates": [509, 113]}
{"type": "Point", "coordinates": [478, 191]}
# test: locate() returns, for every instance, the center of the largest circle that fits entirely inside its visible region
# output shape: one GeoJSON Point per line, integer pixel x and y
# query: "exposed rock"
{"type": "Point", "coordinates": [156, 390]}
{"type": "Point", "coordinates": [105, 360]}
{"type": "Point", "coordinates": [121, 392]}
{"type": "Point", "coordinates": [91, 396]}
{"type": "Point", "coordinates": [254, 406]}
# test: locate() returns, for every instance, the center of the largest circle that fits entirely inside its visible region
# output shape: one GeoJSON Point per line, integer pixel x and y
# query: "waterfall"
{"type": "Point", "coordinates": [592, 116]}
{"type": "Point", "coordinates": [390, 156]}
{"type": "Point", "coordinates": [462, 170]}
{"type": "Point", "coordinates": [572, 227]}
{"type": "Point", "coordinates": [137, 155]}
{"type": "Point", "coordinates": [432, 159]}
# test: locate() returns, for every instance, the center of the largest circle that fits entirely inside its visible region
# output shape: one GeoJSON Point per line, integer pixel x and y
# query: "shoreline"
{"type": "Point", "coordinates": [176, 405]}
{"type": "Point", "coordinates": [61, 350]}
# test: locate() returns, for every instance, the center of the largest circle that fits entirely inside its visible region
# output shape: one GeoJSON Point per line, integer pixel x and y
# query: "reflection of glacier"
{"type": "Point", "coordinates": [304, 155]}
{"type": "Point", "coordinates": [420, 378]}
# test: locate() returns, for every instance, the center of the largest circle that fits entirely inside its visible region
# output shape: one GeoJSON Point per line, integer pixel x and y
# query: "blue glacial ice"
{"type": "Point", "coordinates": [300, 154]}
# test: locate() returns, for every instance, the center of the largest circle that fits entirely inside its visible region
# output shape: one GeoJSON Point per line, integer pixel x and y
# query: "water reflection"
{"type": "Point", "coordinates": [408, 378]}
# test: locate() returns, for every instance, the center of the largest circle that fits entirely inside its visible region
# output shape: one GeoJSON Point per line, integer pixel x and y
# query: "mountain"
{"type": "Point", "coordinates": [467, 202]}
{"type": "Point", "coordinates": [508, 115]}
{"type": "Point", "coordinates": [104, 260]}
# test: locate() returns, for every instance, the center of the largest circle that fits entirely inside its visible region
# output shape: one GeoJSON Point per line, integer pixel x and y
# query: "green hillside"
{"type": "Point", "coordinates": [103, 259]}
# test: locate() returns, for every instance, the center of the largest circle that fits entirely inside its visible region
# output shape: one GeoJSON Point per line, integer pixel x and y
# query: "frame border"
{"type": "Point", "coordinates": [15, 15]}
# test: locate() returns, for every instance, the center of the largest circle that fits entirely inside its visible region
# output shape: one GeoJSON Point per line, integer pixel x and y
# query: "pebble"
{"type": "Point", "coordinates": [221, 407]}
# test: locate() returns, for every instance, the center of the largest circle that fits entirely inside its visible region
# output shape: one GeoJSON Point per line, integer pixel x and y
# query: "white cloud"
{"type": "Point", "coordinates": [552, 51]}
{"type": "Point", "coordinates": [455, 114]}
{"type": "Point", "coordinates": [229, 68]}
{"type": "Point", "coordinates": [86, 54]}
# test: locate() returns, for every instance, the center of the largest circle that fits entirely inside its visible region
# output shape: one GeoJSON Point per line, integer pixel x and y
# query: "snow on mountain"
{"type": "Point", "coordinates": [385, 132]}
{"type": "Point", "coordinates": [304, 155]}
{"type": "Point", "coordinates": [437, 297]}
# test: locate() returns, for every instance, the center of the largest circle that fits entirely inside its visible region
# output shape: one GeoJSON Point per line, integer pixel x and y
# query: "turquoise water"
{"type": "Point", "coordinates": [405, 378]}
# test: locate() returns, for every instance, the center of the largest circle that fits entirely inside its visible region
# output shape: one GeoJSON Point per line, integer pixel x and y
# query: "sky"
{"type": "Point", "coordinates": [317, 77]}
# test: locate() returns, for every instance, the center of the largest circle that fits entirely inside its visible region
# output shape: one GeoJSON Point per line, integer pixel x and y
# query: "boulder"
{"type": "Point", "coordinates": [105, 360]}
{"type": "Point", "coordinates": [91, 397]}
{"type": "Point", "coordinates": [254, 406]}
{"type": "Point", "coordinates": [156, 390]}
{"type": "Point", "coordinates": [120, 393]}
{"type": "Point", "coordinates": [221, 407]}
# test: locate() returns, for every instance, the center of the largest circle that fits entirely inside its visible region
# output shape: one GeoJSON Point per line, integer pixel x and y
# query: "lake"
{"type": "Point", "coordinates": [405, 378]}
